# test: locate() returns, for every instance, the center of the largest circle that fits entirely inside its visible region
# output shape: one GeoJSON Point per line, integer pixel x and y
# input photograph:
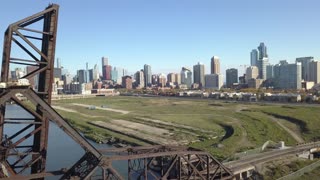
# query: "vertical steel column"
{"type": "Point", "coordinates": [40, 141]}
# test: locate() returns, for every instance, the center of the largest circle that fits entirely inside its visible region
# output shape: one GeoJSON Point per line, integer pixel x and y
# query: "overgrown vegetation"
{"type": "Point", "coordinates": [235, 127]}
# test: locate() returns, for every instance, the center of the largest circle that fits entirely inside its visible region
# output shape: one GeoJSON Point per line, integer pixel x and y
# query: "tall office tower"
{"type": "Point", "coordinates": [252, 72]}
{"type": "Point", "coordinates": [114, 75]}
{"type": "Point", "coordinates": [276, 69]}
{"type": "Point", "coordinates": [314, 71]}
{"type": "Point", "coordinates": [162, 80]}
{"type": "Point", "coordinates": [119, 72]}
{"type": "Point", "coordinates": [95, 73]}
{"type": "Point", "coordinates": [262, 66]}
{"type": "Point", "coordinates": [231, 77]}
{"type": "Point", "coordinates": [81, 74]}
{"type": "Point", "coordinates": [127, 82]}
{"type": "Point", "coordinates": [270, 71]}
{"type": "Point", "coordinates": [305, 66]}
{"type": "Point", "coordinates": [215, 65]}
{"type": "Point", "coordinates": [58, 63]}
{"type": "Point", "coordinates": [139, 76]}
{"type": "Point", "coordinates": [90, 72]}
{"type": "Point", "coordinates": [147, 75]}
{"type": "Point", "coordinates": [171, 78]}
{"type": "Point", "coordinates": [213, 81]}
{"type": "Point", "coordinates": [154, 79]}
{"type": "Point", "coordinates": [178, 78]}
{"type": "Point", "coordinates": [198, 74]}
{"type": "Point", "coordinates": [262, 51]}
{"type": "Point", "coordinates": [106, 72]}
{"type": "Point", "coordinates": [87, 73]}
{"type": "Point", "coordinates": [186, 77]}
{"type": "Point", "coordinates": [104, 61]}
{"type": "Point", "coordinates": [290, 76]}
{"type": "Point", "coordinates": [254, 57]}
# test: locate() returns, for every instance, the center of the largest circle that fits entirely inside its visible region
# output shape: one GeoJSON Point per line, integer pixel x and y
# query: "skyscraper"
{"type": "Point", "coordinates": [106, 72]}
{"type": "Point", "coordinates": [186, 77]}
{"type": "Point", "coordinates": [262, 51]}
{"type": "Point", "coordinates": [254, 56]}
{"type": "Point", "coordinates": [139, 76]}
{"type": "Point", "coordinates": [290, 76]}
{"type": "Point", "coordinates": [95, 75]}
{"type": "Point", "coordinates": [104, 61]}
{"type": "Point", "coordinates": [147, 75]}
{"type": "Point", "coordinates": [215, 65]}
{"type": "Point", "coordinates": [213, 81]}
{"type": "Point", "coordinates": [314, 71]}
{"type": "Point", "coordinates": [198, 74]}
{"type": "Point", "coordinates": [252, 72]}
{"type": "Point", "coordinates": [81, 76]}
{"type": "Point", "coordinates": [262, 66]}
{"type": "Point", "coordinates": [305, 66]}
{"type": "Point", "coordinates": [231, 77]}
{"type": "Point", "coordinates": [171, 78]}
{"type": "Point", "coordinates": [270, 72]}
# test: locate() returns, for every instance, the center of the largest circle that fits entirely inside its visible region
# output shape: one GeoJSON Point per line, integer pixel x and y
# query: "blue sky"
{"type": "Point", "coordinates": [169, 34]}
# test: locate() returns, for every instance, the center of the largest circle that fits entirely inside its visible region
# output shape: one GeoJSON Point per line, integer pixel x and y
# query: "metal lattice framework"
{"type": "Point", "coordinates": [23, 153]}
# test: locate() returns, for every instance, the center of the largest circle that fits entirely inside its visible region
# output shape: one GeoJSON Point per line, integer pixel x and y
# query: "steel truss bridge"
{"type": "Point", "coordinates": [23, 154]}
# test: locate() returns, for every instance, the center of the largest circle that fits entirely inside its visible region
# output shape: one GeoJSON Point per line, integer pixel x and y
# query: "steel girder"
{"type": "Point", "coordinates": [21, 154]}
{"type": "Point", "coordinates": [169, 162]}
{"type": "Point", "coordinates": [40, 48]}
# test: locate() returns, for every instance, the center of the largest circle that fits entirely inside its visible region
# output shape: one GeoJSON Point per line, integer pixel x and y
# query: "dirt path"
{"type": "Point", "coordinates": [100, 108]}
{"type": "Point", "coordinates": [148, 134]}
{"type": "Point", "coordinates": [292, 133]}
{"type": "Point", "coordinates": [73, 111]}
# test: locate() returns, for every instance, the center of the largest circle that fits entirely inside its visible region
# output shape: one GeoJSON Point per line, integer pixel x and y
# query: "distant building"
{"type": "Point", "coordinates": [154, 79]}
{"type": "Point", "coordinates": [269, 71]}
{"type": "Point", "coordinates": [162, 80]}
{"type": "Point", "coordinates": [262, 51]}
{"type": "Point", "coordinates": [127, 82]}
{"type": "Point", "coordinates": [314, 71]}
{"type": "Point", "coordinates": [186, 77]}
{"type": "Point", "coordinates": [95, 73]}
{"type": "Point", "coordinates": [290, 76]}
{"type": "Point", "coordinates": [231, 77]}
{"type": "Point", "coordinates": [252, 72]}
{"type": "Point", "coordinates": [178, 78]}
{"type": "Point", "coordinates": [215, 65]}
{"type": "Point", "coordinates": [81, 74]}
{"type": "Point", "coordinates": [147, 75]}
{"type": "Point", "coordinates": [198, 74]}
{"type": "Point", "coordinates": [114, 75]}
{"type": "Point", "coordinates": [254, 56]}
{"type": "Point", "coordinates": [254, 83]}
{"type": "Point", "coordinates": [262, 66]}
{"type": "Point", "coordinates": [213, 81]}
{"type": "Point", "coordinates": [106, 72]}
{"type": "Point", "coordinates": [305, 66]}
{"type": "Point", "coordinates": [171, 78]}
{"type": "Point", "coordinates": [139, 77]}
{"type": "Point", "coordinates": [104, 61]}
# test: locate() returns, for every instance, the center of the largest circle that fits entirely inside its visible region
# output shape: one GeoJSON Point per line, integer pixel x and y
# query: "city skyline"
{"type": "Point", "coordinates": [167, 33]}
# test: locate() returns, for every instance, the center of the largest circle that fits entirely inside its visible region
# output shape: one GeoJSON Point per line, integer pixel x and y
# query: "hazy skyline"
{"type": "Point", "coordinates": [170, 34]}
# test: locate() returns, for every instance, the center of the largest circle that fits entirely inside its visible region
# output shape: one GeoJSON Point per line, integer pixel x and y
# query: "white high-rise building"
{"type": "Point", "coordinates": [252, 72]}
